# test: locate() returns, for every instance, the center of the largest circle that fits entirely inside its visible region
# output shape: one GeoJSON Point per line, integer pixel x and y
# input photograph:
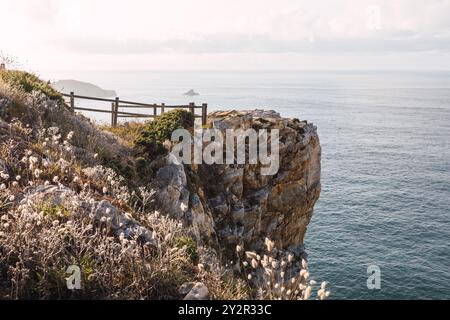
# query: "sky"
{"type": "Point", "coordinates": [54, 35]}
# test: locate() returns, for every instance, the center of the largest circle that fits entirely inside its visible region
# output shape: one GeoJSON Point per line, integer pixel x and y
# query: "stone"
{"type": "Point", "coordinates": [198, 292]}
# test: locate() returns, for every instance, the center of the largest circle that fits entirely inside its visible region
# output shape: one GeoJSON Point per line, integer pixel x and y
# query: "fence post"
{"type": "Point", "coordinates": [204, 114]}
{"type": "Point", "coordinates": [72, 101]}
{"type": "Point", "coordinates": [155, 111]}
{"type": "Point", "coordinates": [116, 110]}
{"type": "Point", "coordinates": [192, 108]}
{"type": "Point", "coordinates": [113, 108]}
{"type": "Point", "coordinates": [162, 108]}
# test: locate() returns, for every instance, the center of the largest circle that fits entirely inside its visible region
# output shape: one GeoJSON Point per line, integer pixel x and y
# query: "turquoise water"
{"type": "Point", "coordinates": [386, 167]}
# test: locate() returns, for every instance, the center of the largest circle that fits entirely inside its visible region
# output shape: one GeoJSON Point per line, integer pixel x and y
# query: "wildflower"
{"type": "Point", "coordinates": [327, 294]}
{"type": "Point", "coordinates": [55, 223]}
{"type": "Point", "coordinates": [276, 286]}
{"type": "Point", "coordinates": [103, 219]}
{"type": "Point", "coordinates": [304, 264]}
{"type": "Point", "coordinates": [312, 283]}
{"type": "Point", "coordinates": [12, 198]}
{"type": "Point", "coordinates": [37, 173]}
{"type": "Point", "coordinates": [249, 277]}
{"type": "Point", "coordinates": [4, 176]}
{"type": "Point", "coordinates": [289, 292]}
{"type": "Point", "coordinates": [324, 285]}
{"type": "Point", "coordinates": [238, 249]}
{"type": "Point", "coordinates": [275, 264]}
{"type": "Point", "coordinates": [301, 286]}
{"type": "Point", "coordinates": [15, 184]}
{"type": "Point", "coordinates": [70, 135]}
{"type": "Point", "coordinates": [55, 179]}
{"type": "Point", "coordinates": [6, 225]}
{"type": "Point", "coordinates": [108, 210]}
{"type": "Point", "coordinates": [269, 244]}
{"type": "Point", "coordinates": [29, 153]}
{"type": "Point", "coordinates": [121, 236]}
{"type": "Point", "coordinates": [46, 183]}
{"type": "Point", "coordinates": [282, 274]}
{"type": "Point", "coordinates": [18, 178]}
{"type": "Point", "coordinates": [302, 273]}
{"type": "Point", "coordinates": [96, 156]}
{"type": "Point", "coordinates": [201, 267]}
{"type": "Point", "coordinates": [76, 179]}
{"type": "Point", "coordinates": [250, 255]}
{"type": "Point", "coordinates": [33, 160]}
{"type": "Point", "coordinates": [4, 218]}
{"type": "Point", "coordinates": [254, 264]}
{"type": "Point", "coordinates": [105, 190]}
{"type": "Point", "coordinates": [307, 293]}
{"type": "Point", "coordinates": [245, 263]}
{"type": "Point", "coordinates": [290, 258]}
{"type": "Point", "coordinates": [2, 186]}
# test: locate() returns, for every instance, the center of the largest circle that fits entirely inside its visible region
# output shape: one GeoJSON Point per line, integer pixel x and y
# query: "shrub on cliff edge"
{"type": "Point", "coordinates": [154, 133]}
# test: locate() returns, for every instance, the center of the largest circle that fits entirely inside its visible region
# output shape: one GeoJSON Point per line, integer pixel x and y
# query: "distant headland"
{"type": "Point", "coordinates": [82, 88]}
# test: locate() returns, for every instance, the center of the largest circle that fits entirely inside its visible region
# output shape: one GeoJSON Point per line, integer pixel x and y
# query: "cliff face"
{"type": "Point", "coordinates": [235, 204]}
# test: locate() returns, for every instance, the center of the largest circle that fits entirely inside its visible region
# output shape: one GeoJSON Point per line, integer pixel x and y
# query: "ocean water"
{"type": "Point", "coordinates": [385, 165]}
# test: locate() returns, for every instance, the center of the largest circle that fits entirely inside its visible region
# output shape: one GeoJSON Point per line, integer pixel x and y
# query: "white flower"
{"type": "Point", "coordinates": [108, 210]}
{"type": "Point", "coordinates": [18, 178]}
{"type": "Point", "coordinates": [55, 179]}
{"type": "Point", "coordinates": [33, 160]}
{"type": "Point", "coordinates": [304, 264]}
{"type": "Point", "coordinates": [324, 285]}
{"type": "Point", "coordinates": [55, 223]}
{"type": "Point", "coordinates": [269, 244]}
{"type": "Point", "coordinates": [96, 156]}
{"type": "Point", "coordinates": [238, 249]}
{"type": "Point", "coordinates": [2, 186]}
{"type": "Point", "coordinates": [12, 198]}
{"type": "Point", "coordinates": [254, 264]}
{"type": "Point", "coordinates": [4, 176]}
{"type": "Point", "coordinates": [70, 135]}
{"type": "Point", "coordinates": [249, 277]}
{"type": "Point", "coordinates": [15, 184]}
{"type": "Point", "coordinates": [307, 293]}
{"type": "Point", "coordinates": [290, 258]}
{"type": "Point", "coordinates": [6, 225]}
{"type": "Point", "coordinates": [37, 173]}
{"type": "Point", "coordinates": [29, 153]}
{"type": "Point", "coordinates": [321, 294]}
{"type": "Point", "coordinates": [312, 283]}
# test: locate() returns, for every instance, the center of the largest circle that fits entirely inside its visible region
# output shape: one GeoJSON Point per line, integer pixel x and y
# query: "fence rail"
{"type": "Point", "coordinates": [117, 104]}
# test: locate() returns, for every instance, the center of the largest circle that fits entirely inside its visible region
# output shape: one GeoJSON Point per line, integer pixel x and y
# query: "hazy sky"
{"type": "Point", "coordinates": [51, 35]}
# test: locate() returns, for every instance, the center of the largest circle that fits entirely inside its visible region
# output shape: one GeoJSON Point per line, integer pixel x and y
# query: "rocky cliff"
{"type": "Point", "coordinates": [235, 204]}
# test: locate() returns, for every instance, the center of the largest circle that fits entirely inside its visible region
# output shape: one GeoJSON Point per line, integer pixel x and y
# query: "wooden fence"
{"type": "Point", "coordinates": [117, 105]}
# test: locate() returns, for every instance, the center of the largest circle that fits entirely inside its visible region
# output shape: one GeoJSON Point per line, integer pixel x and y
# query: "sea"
{"type": "Point", "coordinates": [385, 140]}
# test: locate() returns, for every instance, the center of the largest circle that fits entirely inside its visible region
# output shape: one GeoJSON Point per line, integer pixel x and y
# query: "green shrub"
{"type": "Point", "coordinates": [28, 83]}
{"type": "Point", "coordinates": [154, 133]}
{"type": "Point", "coordinates": [191, 248]}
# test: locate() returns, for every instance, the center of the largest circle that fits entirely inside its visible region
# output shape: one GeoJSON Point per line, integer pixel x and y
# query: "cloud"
{"type": "Point", "coordinates": [257, 43]}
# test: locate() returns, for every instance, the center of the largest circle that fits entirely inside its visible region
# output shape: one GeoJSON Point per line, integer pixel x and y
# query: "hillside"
{"type": "Point", "coordinates": [112, 202]}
